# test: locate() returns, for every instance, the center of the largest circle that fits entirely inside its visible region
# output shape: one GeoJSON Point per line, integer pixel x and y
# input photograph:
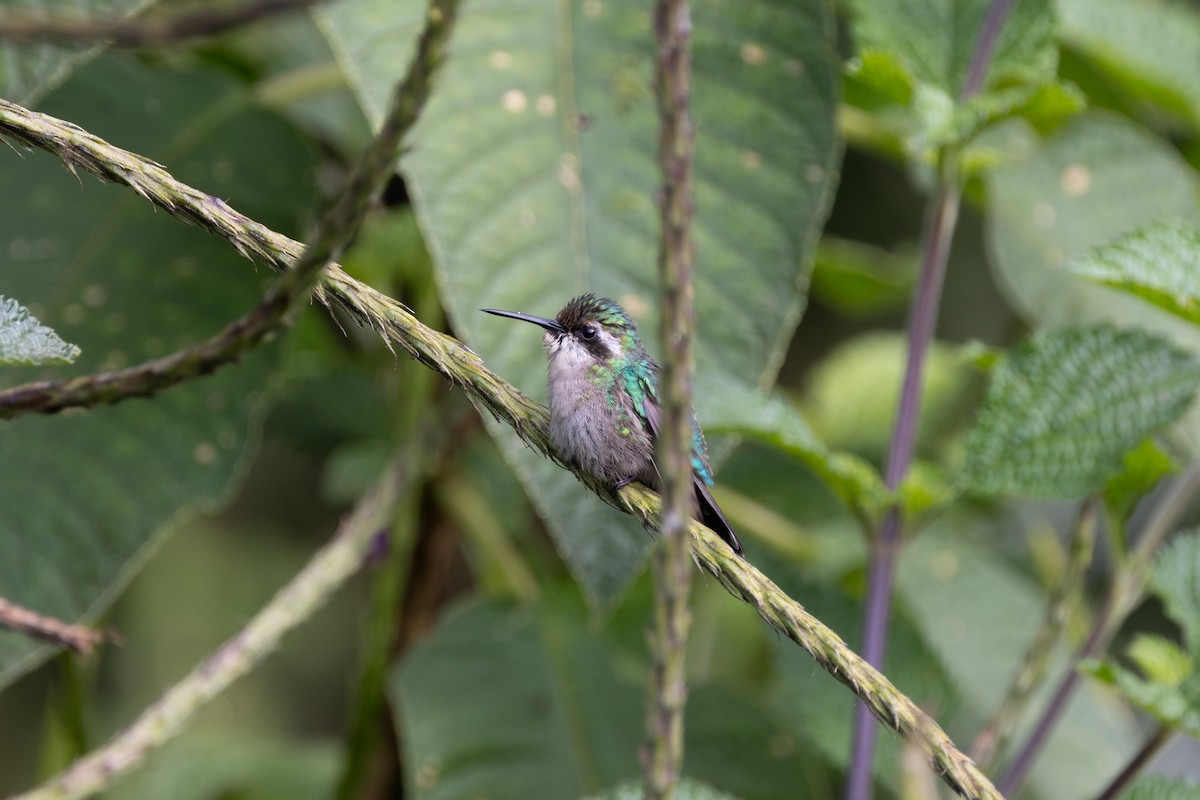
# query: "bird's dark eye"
{"type": "Point", "coordinates": [587, 333]}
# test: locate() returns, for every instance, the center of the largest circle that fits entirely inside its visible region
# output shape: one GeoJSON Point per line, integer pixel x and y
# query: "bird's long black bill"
{"type": "Point", "coordinates": [548, 324]}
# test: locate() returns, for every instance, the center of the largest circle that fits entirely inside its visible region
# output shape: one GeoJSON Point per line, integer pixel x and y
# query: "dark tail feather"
{"type": "Point", "coordinates": [710, 515]}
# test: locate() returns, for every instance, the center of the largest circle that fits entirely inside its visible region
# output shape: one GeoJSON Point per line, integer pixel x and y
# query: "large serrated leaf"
{"type": "Point", "coordinates": [1063, 409]}
{"type": "Point", "coordinates": [1159, 263]}
{"type": "Point", "coordinates": [29, 69]}
{"type": "Point", "coordinates": [24, 340]}
{"type": "Point", "coordinates": [534, 175]}
{"type": "Point", "coordinates": [1097, 179]}
{"type": "Point", "coordinates": [935, 39]}
{"type": "Point", "coordinates": [85, 494]}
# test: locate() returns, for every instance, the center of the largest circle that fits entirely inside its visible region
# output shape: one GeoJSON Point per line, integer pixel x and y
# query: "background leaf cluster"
{"type": "Point", "coordinates": [510, 633]}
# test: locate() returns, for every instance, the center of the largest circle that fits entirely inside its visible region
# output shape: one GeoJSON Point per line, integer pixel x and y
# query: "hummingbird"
{"type": "Point", "coordinates": [604, 410]}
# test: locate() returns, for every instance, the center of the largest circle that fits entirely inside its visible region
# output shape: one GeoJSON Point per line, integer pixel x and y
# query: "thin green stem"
{"type": "Point", "coordinates": [331, 567]}
{"type": "Point", "coordinates": [1032, 671]}
{"type": "Point", "coordinates": [663, 754]}
{"type": "Point", "coordinates": [500, 567]}
{"type": "Point", "coordinates": [387, 593]}
{"type": "Point", "coordinates": [1125, 591]}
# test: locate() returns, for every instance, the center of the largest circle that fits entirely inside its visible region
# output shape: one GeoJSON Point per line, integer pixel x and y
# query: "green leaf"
{"type": "Point", "coordinates": [926, 487]}
{"type": "Point", "coordinates": [1158, 263]}
{"type": "Point", "coordinates": [935, 39]}
{"type": "Point", "coordinates": [543, 714]}
{"type": "Point", "coordinates": [1155, 788]}
{"type": "Point", "coordinates": [1160, 659]}
{"type": "Point", "coordinates": [740, 744]}
{"type": "Point", "coordinates": [852, 393]}
{"type": "Point", "coordinates": [878, 78]}
{"type": "Point", "coordinates": [1143, 468]}
{"type": "Point", "coordinates": [87, 494]}
{"type": "Point", "coordinates": [516, 701]}
{"type": "Point", "coordinates": [1150, 48]}
{"type": "Point", "coordinates": [29, 69]}
{"type": "Point", "coordinates": [858, 280]}
{"type": "Point", "coordinates": [1176, 706]}
{"type": "Point", "coordinates": [535, 178]}
{"type": "Point", "coordinates": [774, 420]}
{"type": "Point", "coordinates": [1095, 180]}
{"type": "Point", "coordinates": [1065, 407]}
{"type": "Point", "coordinates": [24, 340]}
{"type": "Point", "coordinates": [299, 76]}
{"type": "Point", "coordinates": [1169, 687]}
{"type": "Point", "coordinates": [1044, 105]}
{"type": "Point", "coordinates": [1176, 581]}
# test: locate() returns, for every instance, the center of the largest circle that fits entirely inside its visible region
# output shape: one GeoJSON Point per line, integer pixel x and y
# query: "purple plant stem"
{"type": "Point", "coordinates": [989, 35]}
{"type": "Point", "coordinates": [1032, 746]}
{"type": "Point", "coordinates": [1140, 759]}
{"type": "Point", "coordinates": [935, 246]}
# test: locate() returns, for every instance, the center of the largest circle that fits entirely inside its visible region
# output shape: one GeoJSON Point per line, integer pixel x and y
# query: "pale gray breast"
{"type": "Point", "coordinates": [588, 430]}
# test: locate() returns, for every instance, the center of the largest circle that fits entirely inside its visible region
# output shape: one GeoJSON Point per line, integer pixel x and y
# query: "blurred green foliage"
{"type": "Point", "coordinates": [513, 650]}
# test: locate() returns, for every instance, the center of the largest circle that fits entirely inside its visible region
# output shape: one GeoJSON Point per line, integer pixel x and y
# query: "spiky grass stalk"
{"type": "Point", "coordinates": [785, 615]}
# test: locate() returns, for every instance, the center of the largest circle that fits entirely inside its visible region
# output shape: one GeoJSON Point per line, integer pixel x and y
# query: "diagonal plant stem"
{"type": "Point", "coordinates": [1126, 589]}
{"type": "Point", "coordinates": [388, 317]}
{"type": "Point", "coordinates": [1157, 741]}
{"type": "Point", "coordinates": [885, 549]}
{"type": "Point", "coordinates": [885, 546]}
{"type": "Point", "coordinates": [142, 31]}
{"type": "Point", "coordinates": [331, 567]}
{"type": "Point", "coordinates": [337, 228]}
{"type": "Point", "coordinates": [457, 363]}
{"type": "Point", "coordinates": [663, 755]}
{"type": "Point", "coordinates": [1032, 671]}
{"type": "Point", "coordinates": [81, 639]}
{"type": "Point", "coordinates": [885, 701]}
